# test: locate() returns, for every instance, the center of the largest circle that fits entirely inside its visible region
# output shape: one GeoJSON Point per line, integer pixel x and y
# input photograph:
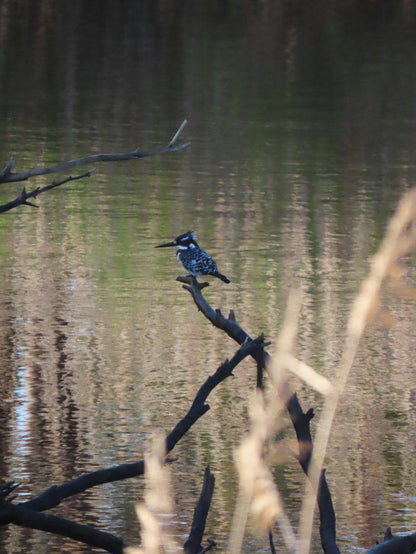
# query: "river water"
{"type": "Point", "coordinates": [302, 127]}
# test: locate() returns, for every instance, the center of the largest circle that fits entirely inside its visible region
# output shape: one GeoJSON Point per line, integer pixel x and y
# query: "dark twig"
{"type": "Point", "coordinates": [211, 544]}
{"type": "Point", "coordinates": [6, 489]}
{"type": "Point", "coordinates": [260, 372]}
{"type": "Point", "coordinates": [7, 176]}
{"type": "Point", "coordinates": [193, 544]}
{"type": "Point", "coordinates": [199, 407]}
{"type": "Point", "coordinates": [301, 423]}
{"type": "Point", "coordinates": [23, 198]}
{"type": "Point", "coordinates": [299, 419]}
{"type": "Point", "coordinates": [272, 548]}
{"type": "Point", "coordinates": [6, 171]}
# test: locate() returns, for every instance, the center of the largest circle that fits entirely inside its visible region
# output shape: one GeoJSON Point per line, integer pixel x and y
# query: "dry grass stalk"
{"type": "Point", "coordinates": [258, 497]}
{"type": "Point", "coordinates": [284, 360]}
{"type": "Point", "coordinates": [400, 238]}
{"type": "Point", "coordinates": [157, 504]}
{"type": "Point", "coordinates": [306, 373]}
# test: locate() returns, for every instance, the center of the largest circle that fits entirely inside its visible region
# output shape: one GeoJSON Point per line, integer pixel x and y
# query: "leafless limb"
{"type": "Point", "coordinates": [23, 198]}
{"type": "Point", "coordinates": [27, 513]}
{"type": "Point", "coordinates": [8, 176]}
{"type": "Point", "coordinates": [199, 406]}
{"type": "Point", "coordinates": [53, 496]}
{"type": "Point", "coordinates": [301, 423]}
{"type": "Point", "coordinates": [300, 420]}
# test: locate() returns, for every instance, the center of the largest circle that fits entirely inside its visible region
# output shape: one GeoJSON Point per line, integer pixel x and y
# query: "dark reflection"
{"type": "Point", "coordinates": [301, 121]}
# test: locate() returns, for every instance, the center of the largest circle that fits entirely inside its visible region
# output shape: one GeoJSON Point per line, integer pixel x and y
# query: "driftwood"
{"type": "Point", "coordinates": [28, 513]}
{"type": "Point", "coordinates": [299, 419]}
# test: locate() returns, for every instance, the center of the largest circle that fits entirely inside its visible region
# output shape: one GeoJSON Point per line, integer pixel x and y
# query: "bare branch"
{"type": "Point", "coordinates": [299, 419]}
{"type": "Point", "coordinates": [199, 407]}
{"type": "Point", "coordinates": [54, 495]}
{"type": "Point", "coordinates": [178, 132]}
{"type": "Point", "coordinates": [7, 176]}
{"type": "Point", "coordinates": [27, 513]}
{"type": "Point", "coordinates": [23, 198]}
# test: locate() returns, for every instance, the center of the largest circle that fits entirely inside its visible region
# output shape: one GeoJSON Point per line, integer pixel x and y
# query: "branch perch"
{"type": "Point", "coordinates": [299, 419]}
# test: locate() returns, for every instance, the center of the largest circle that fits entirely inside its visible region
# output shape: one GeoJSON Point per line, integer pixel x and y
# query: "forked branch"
{"type": "Point", "coordinates": [22, 513]}
{"type": "Point", "coordinates": [23, 198]}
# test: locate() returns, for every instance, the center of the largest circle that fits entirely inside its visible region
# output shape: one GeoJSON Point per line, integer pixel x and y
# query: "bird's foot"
{"type": "Point", "coordinates": [192, 281]}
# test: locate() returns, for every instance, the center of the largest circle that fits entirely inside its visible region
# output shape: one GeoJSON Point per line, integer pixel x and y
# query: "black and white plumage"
{"type": "Point", "coordinates": [193, 258]}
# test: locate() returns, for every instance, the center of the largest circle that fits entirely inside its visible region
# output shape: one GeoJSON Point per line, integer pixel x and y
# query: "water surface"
{"type": "Point", "coordinates": [302, 132]}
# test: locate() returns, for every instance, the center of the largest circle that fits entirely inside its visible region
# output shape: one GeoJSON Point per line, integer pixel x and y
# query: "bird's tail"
{"type": "Point", "coordinates": [223, 278]}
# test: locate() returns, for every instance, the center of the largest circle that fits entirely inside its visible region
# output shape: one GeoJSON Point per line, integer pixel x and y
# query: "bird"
{"type": "Point", "coordinates": [193, 258]}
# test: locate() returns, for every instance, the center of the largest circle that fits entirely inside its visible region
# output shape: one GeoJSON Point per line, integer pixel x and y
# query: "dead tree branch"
{"type": "Point", "coordinates": [199, 407]}
{"type": "Point", "coordinates": [23, 198]}
{"type": "Point", "coordinates": [26, 512]}
{"type": "Point", "coordinates": [53, 496]}
{"type": "Point", "coordinates": [299, 419]}
{"type": "Point", "coordinates": [8, 176]}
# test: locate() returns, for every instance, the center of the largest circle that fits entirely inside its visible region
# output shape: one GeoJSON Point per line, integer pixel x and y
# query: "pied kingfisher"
{"type": "Point", "coordinates": [193, 258]}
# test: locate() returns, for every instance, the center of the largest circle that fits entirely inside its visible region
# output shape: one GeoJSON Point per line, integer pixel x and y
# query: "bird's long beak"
{"type": "Point", "coordinates": [173, 243]}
